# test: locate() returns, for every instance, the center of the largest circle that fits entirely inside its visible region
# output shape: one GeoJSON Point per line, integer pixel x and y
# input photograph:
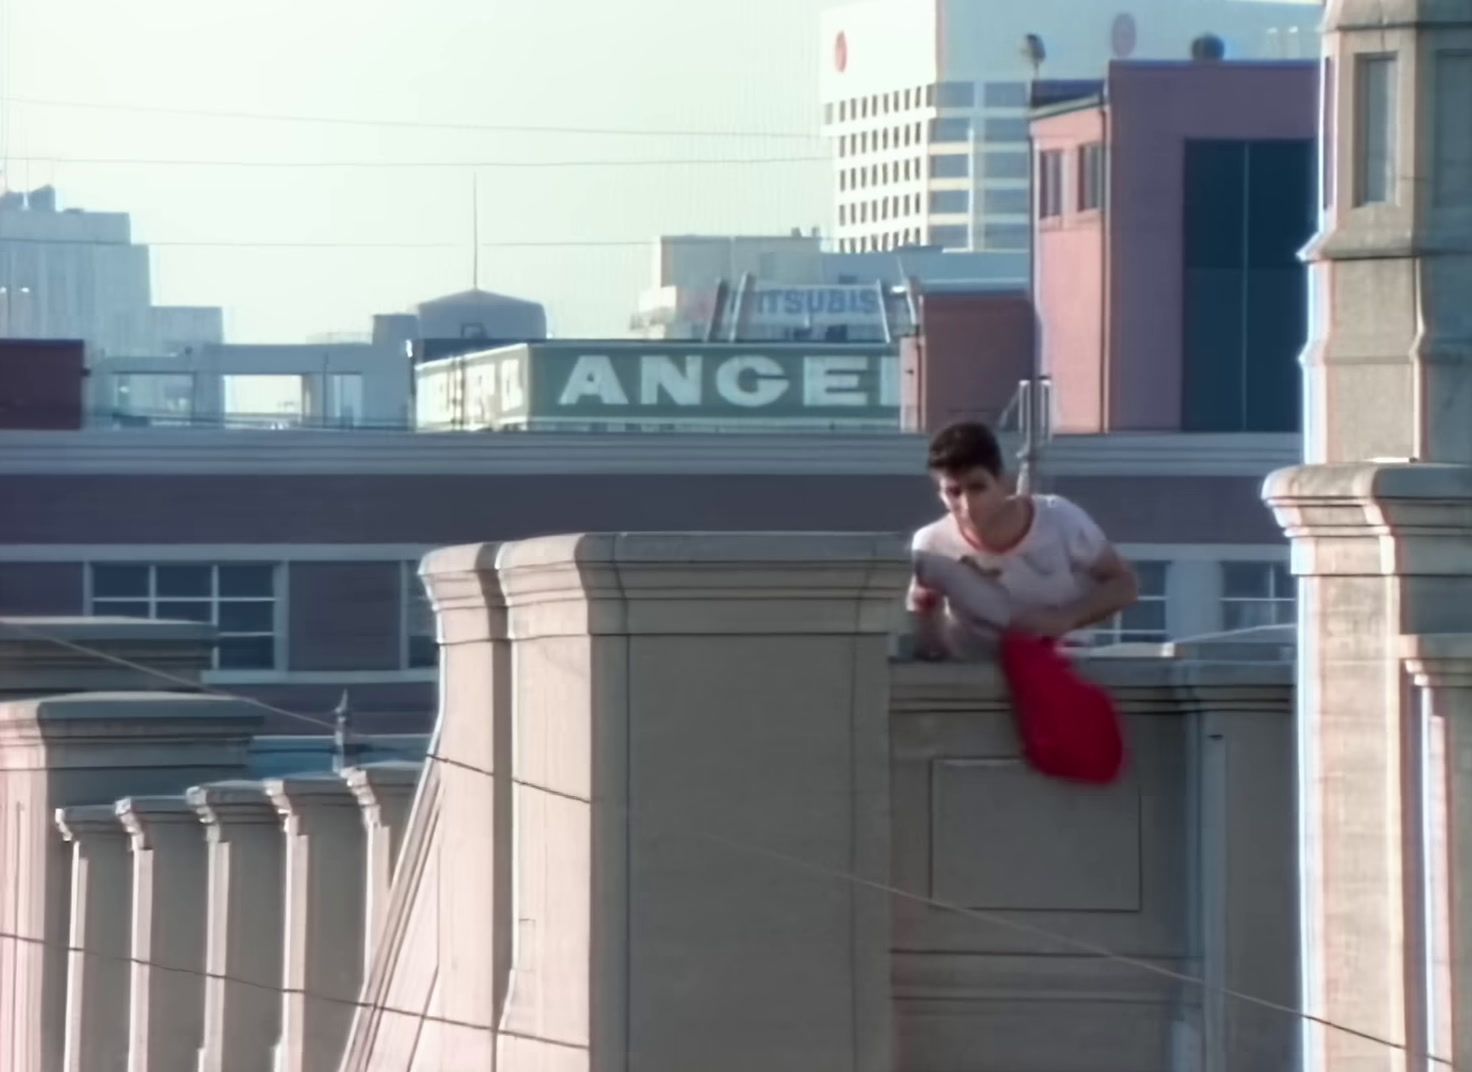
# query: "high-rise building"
{"type": "Point", "coordinates": [69, 274]}
{"type": "Point", "coordinates": [926, 101]}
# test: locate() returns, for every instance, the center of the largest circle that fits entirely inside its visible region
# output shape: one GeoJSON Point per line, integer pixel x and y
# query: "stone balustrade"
{"type": "Point", "coordinates": [682, 809]}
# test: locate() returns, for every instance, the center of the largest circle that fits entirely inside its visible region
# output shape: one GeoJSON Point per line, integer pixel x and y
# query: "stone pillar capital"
{"type": "Point", "coordinates": [82, 822]}
{"type": "Point", "coordinates": [466, 592]}
{"type": "Point", "coordinates": [228, 803]}
{"type": "Point", "coordinates": [747, 583]}
{"type": "Point", "coordinates": [376, 785]}
{"type": "Point", "coordinates": [1439, 660]}
{"type": "Point", "coordinates": [146, 817]}
{"type": "Point", "coordinates": [1375, 518]}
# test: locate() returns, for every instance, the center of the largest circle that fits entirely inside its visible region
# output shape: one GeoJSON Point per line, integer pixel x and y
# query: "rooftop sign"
{"type": "Point", "coordinates": [670, 383]}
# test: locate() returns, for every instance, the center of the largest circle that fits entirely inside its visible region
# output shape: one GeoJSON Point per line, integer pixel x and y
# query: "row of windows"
{"type": "Point", "coordinates": [941, 203]}
{"type": "Point", "coordinates": [886, 208]}
{"type": "Point", "coordinates": [909, 236]}
{"type": "Point", "coordinates": [242, 601]}
{"type": "Point", "coordinates": [997, 165]}
{"type": "Point", "coordinates": [951, 130]}
{"type": "Point", "coordinates": [936, 95]}
{"type": "Point", "coordinates": [1253, 594]}
{"type": "Point", "coordinates": [1005, 237]}
{"type": "Point", "coordinates": [1054, 178]}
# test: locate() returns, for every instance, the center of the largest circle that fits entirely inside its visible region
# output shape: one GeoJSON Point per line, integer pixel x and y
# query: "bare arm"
{"type": "Point", "coordinates": [1115, 588]}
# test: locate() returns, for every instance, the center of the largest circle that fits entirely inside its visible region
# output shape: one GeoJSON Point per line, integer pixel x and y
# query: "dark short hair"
{"type": "Point", "coordinates": [963, 446]}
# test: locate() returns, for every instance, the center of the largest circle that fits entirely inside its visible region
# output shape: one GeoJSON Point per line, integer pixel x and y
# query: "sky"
{"type": "Point", "coordinates": [296, 251]}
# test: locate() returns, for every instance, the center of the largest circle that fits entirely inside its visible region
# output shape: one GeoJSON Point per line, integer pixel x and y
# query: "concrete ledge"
{"type": "Point", "coordinates": [1141, 686]}
{"type": "Point", "coordinates": [116, 729]}
{"type": "Point", "coordinates": [614, 584]}
{"type": "Point", "coordinates": [36, 656]}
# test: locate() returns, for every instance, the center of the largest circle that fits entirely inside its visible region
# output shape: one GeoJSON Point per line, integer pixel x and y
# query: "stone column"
{"type": "Point", "coordinates": [82, 749]}
{"type": "Point", "coordinates": [1442, 667]}
{"type": "Point", "coordinates": [384, 792]}
{"type": "Point", "coordinates": [242, 1003]}
{"type": "Point", "coordinates": [1382, 545]}
{"type": "Point", "coordinates": [1381, 551]}
{"type": "Point", "coordinates": [1388, 368]}
{"type": "Point", "coordinates": [166, 1017]}
{"type": "Point", "coordinates": [700, 764]}
{"type": "Point", "coordinates": [323, 950]}
{"type": "Point", "coordinates": [97, 963]}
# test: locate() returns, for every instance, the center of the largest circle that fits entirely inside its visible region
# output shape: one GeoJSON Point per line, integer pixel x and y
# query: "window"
{"type": "Point", "coordinates": [1005, 236]}
{"type": "Point", "coordinates": [1257, 594]}
{"type": "Point", "coordinates": [344, 399]}
{"type": "Point", "coordinates": [1005, 165]}
{"type": "Point", "coordinates": [1452, 142]}
{"type": "Point", "coordinates": [239, 599]}
{"type": "Point", "coordinates": [842, 111]}
{"type": "Point", "coordinates": [1375, 138]}
{"type": "Point", "coordinates": [140, 398]}
{"type": "Point", "coordinates": [930, 95]}
{"type": "Point", "coordinates": [265, 400]}
{"type": "Point", "coordinates": [1004, 202]}
{"type": "Point", "coordinates": [1090, 177]}
{"type": "Point", "coordinates": [1145, 621]}
{"type": "Point", "coordinates": [950, 167]}
{"type": "Point", "coordinates": [950, 236]}
{"type": "Point", "coordinates": [421, 643]}
{"type": "Point", "coordinates": [1004, 95]}
{"type": "Point", "coordinates": [842, 214]}
{"type": "Point", "coordinates": [1004, 130]}
{"type": "Point", "coordinates": [843, 180]}
{"type": "Point", "coordinates": [1050, 184]}
{"type": "Point", "coordinates": [950, 131]}
{"type": "Point", "coordinates": [828, 113]}
{"type": "Point", "coordinates": [884, 174]}
{"type": "Point", "coordinates": [1249, 208]}
{"type": "Point", "coordinates": [947, 201]}
{"type": "Point", "coordinates": [955, 94]}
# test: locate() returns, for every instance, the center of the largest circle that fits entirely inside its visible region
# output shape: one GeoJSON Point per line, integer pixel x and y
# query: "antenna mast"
{"type": "Point", "coordinates": [474, 231]}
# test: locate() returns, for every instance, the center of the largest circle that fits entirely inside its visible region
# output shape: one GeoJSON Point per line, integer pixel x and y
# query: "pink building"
{"type": "Point", "coordinates": [1171, 209]}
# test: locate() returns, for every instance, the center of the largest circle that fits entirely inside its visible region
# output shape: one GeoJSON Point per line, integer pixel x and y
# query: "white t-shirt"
{"type": "Point", "coordinates": [1047, 567]}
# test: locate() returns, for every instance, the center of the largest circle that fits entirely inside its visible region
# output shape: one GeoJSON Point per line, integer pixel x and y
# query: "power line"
{"type": "Point", "coordinates": [1059, 939]}
{"type": "Point", "coordinates": [533, 243]}
{"type": "Point", "coordinates": [124, 161]}
{"type": "Point", "coordinates": [409, 124]}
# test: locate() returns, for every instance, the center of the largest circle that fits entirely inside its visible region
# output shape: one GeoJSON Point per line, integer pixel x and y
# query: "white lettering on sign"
{"type": "Point", "coordinates": [513, 391]}
{"type": "Point", "coordinates": [659, 373]}
{"type": "Point", "coordinates": [834, 381]}
{"type": "Point", "coordinates": [750, 381]}
{"type": "Point", "coordinates": [593, 377]}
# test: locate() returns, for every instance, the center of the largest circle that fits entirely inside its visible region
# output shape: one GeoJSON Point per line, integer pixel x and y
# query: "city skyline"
{"type": "Point", "coordinates": [144, 114]}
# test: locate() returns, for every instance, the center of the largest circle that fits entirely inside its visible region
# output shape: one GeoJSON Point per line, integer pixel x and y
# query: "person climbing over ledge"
{"type": "Point", "coordinates": [998, 561]}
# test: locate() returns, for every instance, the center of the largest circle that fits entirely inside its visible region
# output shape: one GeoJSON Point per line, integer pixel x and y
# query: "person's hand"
{"type": "Point", "coordinates": [1044, 622]}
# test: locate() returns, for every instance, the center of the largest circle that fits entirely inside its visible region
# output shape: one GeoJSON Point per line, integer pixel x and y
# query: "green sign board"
{"type": "Point", "coordinates": [547, 385]}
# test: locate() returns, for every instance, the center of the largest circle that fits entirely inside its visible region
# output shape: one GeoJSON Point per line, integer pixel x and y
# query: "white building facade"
{"type": "Point", "coordinates": [925, 101]}
{"type": "Point", "coordinates": [69, 274]}
{"type": "Point", "coordinates": [790, 287]}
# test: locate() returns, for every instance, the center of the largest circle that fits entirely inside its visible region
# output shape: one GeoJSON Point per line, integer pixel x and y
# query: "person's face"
{"type": "Point", "coordinates": [972, 497]}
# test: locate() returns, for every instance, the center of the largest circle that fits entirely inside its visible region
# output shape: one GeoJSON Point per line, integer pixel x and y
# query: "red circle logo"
{"type": "Point", "coordinates": [1123, 36]}
{"type": "Point", "coordinates": [840, 53]}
